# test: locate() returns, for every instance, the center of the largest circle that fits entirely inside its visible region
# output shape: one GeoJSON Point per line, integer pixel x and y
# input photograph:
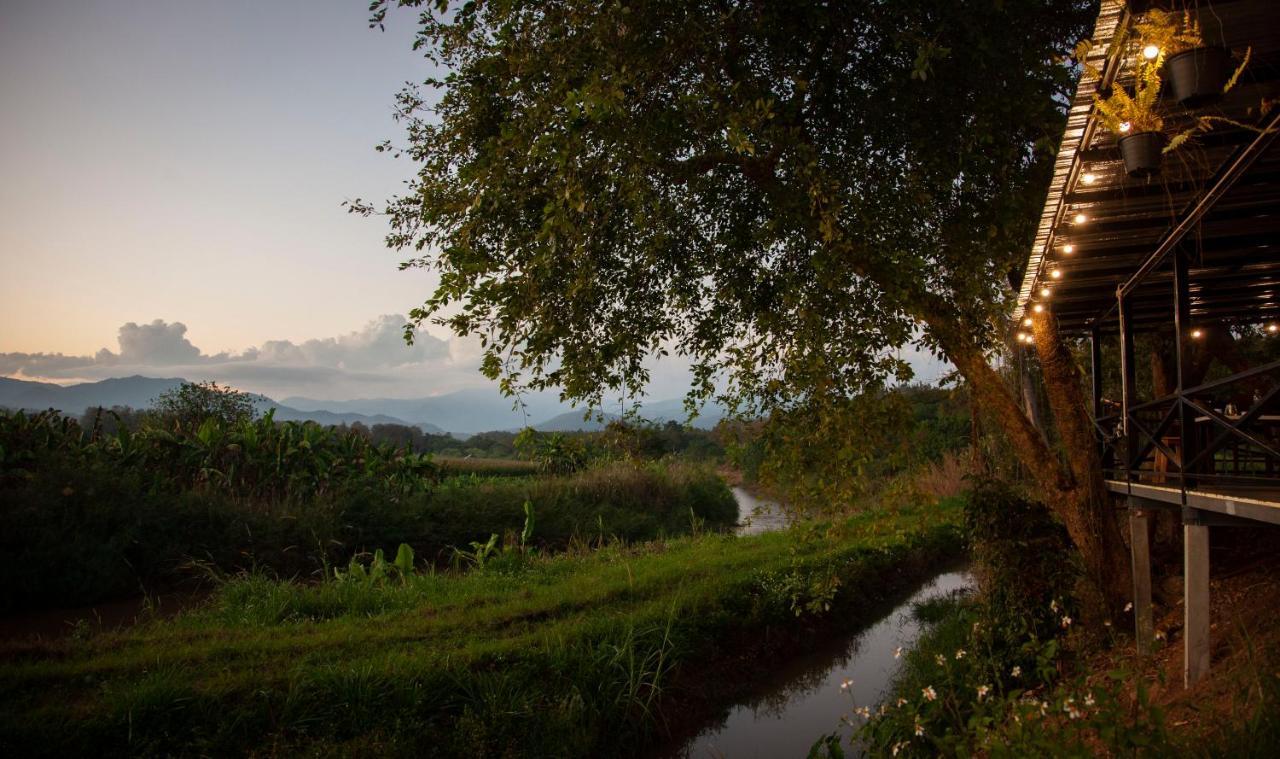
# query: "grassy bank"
{"type": "Point", "coordinates": [571, 655]}
{"type": "Point", "coordinates": [79, 532]}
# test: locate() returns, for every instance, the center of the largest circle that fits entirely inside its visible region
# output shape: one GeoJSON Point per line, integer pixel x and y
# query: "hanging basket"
{"type": "Point", "coordinates": [1196, 76]}
{"type": "Point", "coordinates": [1143, 153]}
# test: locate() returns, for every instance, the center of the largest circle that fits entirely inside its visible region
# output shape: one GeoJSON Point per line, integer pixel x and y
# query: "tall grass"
{"type": "Point", "coordinates": [547, 655]}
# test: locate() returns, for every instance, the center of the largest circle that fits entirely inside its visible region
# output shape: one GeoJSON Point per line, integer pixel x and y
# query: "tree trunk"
{"type": "Point", "coordinates": [1076, 494]}
{"type": "Point", "coordinates": [1091, 516]}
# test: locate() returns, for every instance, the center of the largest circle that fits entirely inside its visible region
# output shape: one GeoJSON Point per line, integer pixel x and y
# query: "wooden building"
{"type": "Point", "coordinates": [1174, 268]}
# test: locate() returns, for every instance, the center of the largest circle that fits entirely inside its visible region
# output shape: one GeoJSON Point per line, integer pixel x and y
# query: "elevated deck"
{"type": "Point", "coordinates": [1256, 504]}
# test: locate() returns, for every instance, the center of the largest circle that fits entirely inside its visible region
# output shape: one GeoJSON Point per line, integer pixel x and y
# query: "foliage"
{"type": "Point", "coordinates": [961, 692]}
{"type": "Point", "coordinates": [568, 655]}
{"type": "Point", "coordinates": [193, 403]}
{"type": "Point", "coordinates": [782, 194]}
{"type": "Point", "coordinates": [554, 452]}
{"type": "Point", "coordinates": [84, 521]}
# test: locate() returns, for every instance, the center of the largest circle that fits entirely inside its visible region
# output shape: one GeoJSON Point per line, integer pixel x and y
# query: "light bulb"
{"type": "Point", "coordinates": [1197, 334]}
{"type": "Point", "coordinates": [1088, 178]}
{"type": "Point", "coordinates": [1027, 323]}
{"type": "Point", "coordinates": [1038, 308]}
{"type": "Point", "coordinates": [1022, 337]}
{"type": "Point", "coordinates": [1080, 218]}
{"type": "Point", "coordinates": [1150, 52]}
{"type": "Point", "coordinates": [1068, 248]}
{"type": "Point", "coordinates": [1273, 327]}
{"type": "Point", "coordinates": [1031, 339]}
{"type": "Point", "coordinates": [1125, 126]}
{"type": "Point", "coordinates": [1044, 292]}
{"type": "Point", "coordinates": [1056, 274]}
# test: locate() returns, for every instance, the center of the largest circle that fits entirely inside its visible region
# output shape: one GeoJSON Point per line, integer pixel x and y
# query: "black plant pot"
{"type": "Point", "coordinates": [1142, 153]}
{"type": "Point", "coordinates": [1197, 76]}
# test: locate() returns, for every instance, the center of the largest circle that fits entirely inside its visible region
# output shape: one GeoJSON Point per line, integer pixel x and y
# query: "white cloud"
{"type": "Point", "coordinates": [372, 360]}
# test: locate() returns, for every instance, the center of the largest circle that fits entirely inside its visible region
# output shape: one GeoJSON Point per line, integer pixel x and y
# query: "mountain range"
{"type": "Point", "coordinates": [464, 412]}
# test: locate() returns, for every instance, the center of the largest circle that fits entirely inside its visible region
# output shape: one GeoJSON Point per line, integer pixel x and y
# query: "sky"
{"type": "Point", "coordinates": [171, 203]}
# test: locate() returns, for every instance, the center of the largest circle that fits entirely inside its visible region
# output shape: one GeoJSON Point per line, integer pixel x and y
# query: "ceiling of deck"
{"type": "Point", "coordinates": [1234, 252]}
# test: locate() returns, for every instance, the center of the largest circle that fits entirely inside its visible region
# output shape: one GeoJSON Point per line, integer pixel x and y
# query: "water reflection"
{"type": "Point", "coordinates": [802, 699]}
{"type": "Point", "coordinates": [757, 515]}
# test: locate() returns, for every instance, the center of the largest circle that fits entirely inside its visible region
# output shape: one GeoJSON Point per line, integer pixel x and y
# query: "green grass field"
{"type": "Point", "coordinates": [580, 654]}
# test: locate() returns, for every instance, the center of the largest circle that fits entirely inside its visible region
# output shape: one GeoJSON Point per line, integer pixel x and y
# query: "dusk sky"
{"type": "Point", "coordinates": [186, 162]}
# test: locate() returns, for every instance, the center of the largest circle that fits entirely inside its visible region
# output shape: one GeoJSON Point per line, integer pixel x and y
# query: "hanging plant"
{"type": "Point", "coordinates": [1198, 74]}
{"type": "Point", "coordinates": [1132, 118]}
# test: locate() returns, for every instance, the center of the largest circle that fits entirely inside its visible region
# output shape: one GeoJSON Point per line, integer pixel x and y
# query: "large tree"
{"type": "Point", "coordinates": [783, 192]}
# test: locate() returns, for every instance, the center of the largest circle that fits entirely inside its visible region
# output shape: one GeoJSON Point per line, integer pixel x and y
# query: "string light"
{"type": "Point", "coordinates": [1150, 52]}
{"type": "Point", "coordinates": [1056, 273]}
{"type": "Point", "coordinates": [1044, 292]}
{"type": "Point", "coordinates": [1080, 218]}
{"type": "Point", "coordinates": [1038, 308]}
{"type": "Point", "coordinates": [1030, 339]}
{"type": "Point", "coordinates": [1022, 337]}
{"type": "Point", "coordinates": [1125, 126]}
{"type": "Point", "coordinates": [1027, 323]}
{"type": "Point", "coordinates": [1273, 328]}
{"type": "Point", "coordinates": [1068, 249]}
{"type": "Point", "coordinates": [1196, 334]}
{"type": "Point", "coordinates": [1089, 178]}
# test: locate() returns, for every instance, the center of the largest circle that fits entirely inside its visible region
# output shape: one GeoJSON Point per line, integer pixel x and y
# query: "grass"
{"type": "Point", "coordinates": [80, 535]}
{"type": "Point", "coordinates": [453, 465]}
{"type": "Point", "coordinates": [579, 654]}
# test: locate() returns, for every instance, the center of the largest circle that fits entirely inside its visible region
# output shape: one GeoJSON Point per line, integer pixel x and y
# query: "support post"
{"type": "Point", "coordinates": [1140, 552]}
{"type": "Point", "coordinates": [1128, 382]}
{"type": "Point", "coordinates": [1182, 335]}
{"type": "Point", "coordinates": [1195, 623]}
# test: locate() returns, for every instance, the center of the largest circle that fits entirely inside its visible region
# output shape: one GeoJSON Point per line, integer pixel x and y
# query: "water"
{"type": "Point", "coordinates": [757, 515]}
{"type": "Point", "coordinates": [801, 699]}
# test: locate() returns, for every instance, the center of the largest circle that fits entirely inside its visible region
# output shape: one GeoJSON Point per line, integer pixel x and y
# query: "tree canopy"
{"type": "Point", "coordinates": [782, 192]}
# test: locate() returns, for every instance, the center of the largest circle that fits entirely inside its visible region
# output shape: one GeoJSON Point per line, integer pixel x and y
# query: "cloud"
{"type": "Point", "coordinates": [374, 358]}
{"type": "Point", "coordinates": [156, 344]}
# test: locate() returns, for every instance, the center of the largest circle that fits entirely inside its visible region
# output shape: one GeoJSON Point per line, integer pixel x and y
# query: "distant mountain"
{"type": "Point", "coordinates": [140, 392]}
{"type": "Point", "coordinates": [572, 421]}
{"type": "Point", "coordinates": [463, 412]}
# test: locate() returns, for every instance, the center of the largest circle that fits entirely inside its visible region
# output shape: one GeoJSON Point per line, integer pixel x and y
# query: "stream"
{"type": "Point", "coordinates": [801, 699]}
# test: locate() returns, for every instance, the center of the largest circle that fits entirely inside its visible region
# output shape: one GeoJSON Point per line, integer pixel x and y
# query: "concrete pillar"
{"type": "Point", "coordinates": [1140, 552]}
{"type": "Point", "coordinates": [1195, 560]}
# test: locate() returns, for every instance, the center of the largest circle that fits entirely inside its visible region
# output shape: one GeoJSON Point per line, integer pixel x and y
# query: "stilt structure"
{"type": "Point", "coordinates": [1192, 252]}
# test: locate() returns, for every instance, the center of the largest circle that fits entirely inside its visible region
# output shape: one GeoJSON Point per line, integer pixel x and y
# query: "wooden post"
{"type": "Point", "coordinates": [1195, 625]}
{"type": "Point", "coordinates": [1182, 349]}
{"type": "Point", "coordinates": [1128, 382]}
{"type": "Point", "coordinates": [1140, 551]}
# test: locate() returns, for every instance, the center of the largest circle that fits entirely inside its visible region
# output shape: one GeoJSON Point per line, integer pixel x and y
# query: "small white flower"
{"type": "Point", "coordinates": [1066, 622]}
{"type": "Point", "coordinates": [863, 712]}
{"type": "Point", "coordinates": [1016, 671]}
{"type": "Point", "coordinates": [929, 693]}
{"type": "Point", "coordinates": [902, 702]}
{"type": "Point", "coordinates": [940, 659]}
{"type": "Point", "coordinates": [919, 727]}
{"type": "Point", "coordinates": [983, 690]}
{"type": "Point", "coordinates": [960, 654]}
{"type": "Point", "coordinates": [1128, 606]}
{"type": "Point", "coordinates": [1053, 606]}
{"type": "Point", "coordinates": [897, 652]}
{"type": "Point", "coordinates": [884, 709]}
{"type": "Point", "coordinates": [896, 748]}
{"type": "Point", "coordinates": [1088, 699]}
{"type": "Point", "coordinates": [845, 684]}
{"type": "Point", "coordinates": [1159, 634]}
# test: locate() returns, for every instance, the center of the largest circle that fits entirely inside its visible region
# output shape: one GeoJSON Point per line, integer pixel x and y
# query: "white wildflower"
{"type": "Point", "coordinates": [897, 652]}
{"type": "Point", "coordinates": [1016, 671]}
{"type": "Point", "coordinates": [1053, 606]}
{"type": "Point", "coordinates": [863, 712]}
{"type": "Point", "coordinates": [960, 654]}
{"type": "Point", "coordinates": [902, 702]}
{"type": "Point", "coordinates": [919, 728]}
{"type": "Point", "coordinates": [1088, 699]}
{"type": "Point", "coordinates": [1128, 606]}
{"type": "Point", "coordinates": [1066, 622]}
{"type": "Point", "coordinates": [983, 690]}
{"type": "Point", "coordinates": [929, 693]}
{"type": "Point", "coordinates": [845, 684]}
{"type": "Point", "coordinates": [940, 659]}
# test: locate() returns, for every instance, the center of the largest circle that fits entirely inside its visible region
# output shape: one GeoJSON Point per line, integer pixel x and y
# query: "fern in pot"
{"type": "Point", "coordinates": [1132, 118]}
{"type": "Point", "coordinates": [1198, 74]}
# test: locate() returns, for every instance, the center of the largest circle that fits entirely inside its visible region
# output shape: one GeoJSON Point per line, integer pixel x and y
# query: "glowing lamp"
{"type": "Point", "coordinates": [1068, 249]}
{"type": "Point", "coordinates": [1088, 178]}
{"type": "Point", "coordinates": [1038, 308]}
{"type": "Point", "coordinates": [1080, 218]}
{"type": "Point", "coordinates": [1044, 292]}
{"type": "Point", "coordinates": [1056, 274]}
{"type": "Point", "coordinates": [1125, 126]}
{"type": "Point", "coordinates": [1027, 322]}
{"type": "Point", "coordinates": [1150, 52]}
{"type": "Point", "coordinates": [1196, 334]}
